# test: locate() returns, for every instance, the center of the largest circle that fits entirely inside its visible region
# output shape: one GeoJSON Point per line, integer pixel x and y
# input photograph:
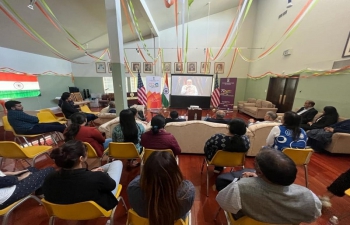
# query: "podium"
{"type": "Point", "coordinates": [194, 114]}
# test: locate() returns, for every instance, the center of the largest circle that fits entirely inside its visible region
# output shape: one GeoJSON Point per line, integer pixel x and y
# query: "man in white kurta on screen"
{"type": "Point", "coordinates": [189, 88]}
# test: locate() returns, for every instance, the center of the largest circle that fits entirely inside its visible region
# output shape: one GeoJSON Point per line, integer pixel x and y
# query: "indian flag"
{"type": "Point", "coordinates": [18, 86]}
{"type": "Point", "coordinates": [165, 94]}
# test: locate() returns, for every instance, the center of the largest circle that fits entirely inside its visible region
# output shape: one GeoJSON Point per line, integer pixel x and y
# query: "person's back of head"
{"type": "Point", "coordinates": [10, 104]}
{"type": "Point", "coordinates": [134, 111]}
{"type": "Point", "coordinates": [157, 123]}
{"type": "Point", "coordinates": [77, 120]}
{"type": "Point", "coordinates": [275, 166]}
{"type": "Point", "coordinates": [272, 115]}
{"type": "Point", "coordinates": [160, 179]}
{"type": "Point", "coordinates": [65, 96]}
{"type": "Point", "coordinates": [128, 126]}
{"type": "Point", "coordinates": [69, 155]}
{"type": "Point", "coordinates": [292, 121]}
{"type": "Point", "coordinates": [331, 111]}
{"type": "Point", "coordinates": [220, 114]}
{"type": "Point", "coordinates": [111, 104]}
{"type": "Point", "coordinates": [174, 114]}
{"type": "Point", "coordinates": [311, 103]}
{"type": "Point", "coordinates": [237, 127]}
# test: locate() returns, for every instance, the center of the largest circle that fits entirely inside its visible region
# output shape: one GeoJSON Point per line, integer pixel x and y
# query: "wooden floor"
{"type": "Point", "coordinates": [323, 169]}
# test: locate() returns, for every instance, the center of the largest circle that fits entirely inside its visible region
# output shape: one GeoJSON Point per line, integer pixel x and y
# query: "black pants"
{"type": "Point", "coordinates": [340, 185]}
{"type": "Point", "coordinates": [45, 128]}
{"type": "Point", "coordinates": [226, 178]}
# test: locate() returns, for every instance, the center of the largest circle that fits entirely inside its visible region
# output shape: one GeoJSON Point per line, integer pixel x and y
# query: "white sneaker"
{"type": "Point", "coordinates": [108, 222]}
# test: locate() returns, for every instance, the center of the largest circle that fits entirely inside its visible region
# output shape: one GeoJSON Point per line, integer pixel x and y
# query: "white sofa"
{"type": "Point", "coordinates": [109, 126]}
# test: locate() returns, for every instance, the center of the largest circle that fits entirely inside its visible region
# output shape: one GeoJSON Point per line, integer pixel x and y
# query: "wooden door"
{"type": "Point", "coordinates": [275, 91]}
{"type": "Point", "coordinates": [289, 94]}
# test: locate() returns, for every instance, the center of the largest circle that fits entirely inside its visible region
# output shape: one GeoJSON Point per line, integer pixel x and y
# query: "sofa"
{"type": "Point", "coordinates": [258, 109]}
{"type": "Point", "coordinates": [240, 103]}
{"type": "Point", "coordinates": [104, 116]}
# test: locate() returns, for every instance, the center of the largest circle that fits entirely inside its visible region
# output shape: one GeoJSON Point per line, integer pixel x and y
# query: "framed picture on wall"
{"type": "Point", "coordinates": [148, 67]}
{"type": "Point", "coordinates": [109, 65]}
{"type": "Point", "coordinates": [178, 67]}
{"type": "Point", "coordinates": [346, 52]}
{"type": "Point", "coordinates": [100, 67]}
{"type": "Point", "coordinates": [166, 67]}
{"type": "Point", "coordinates": [219, 67]}
{"type": "Point", "coordinates": [191, 67]}
{"type": "Point", "coordinates": [205, 67]}
{"type": "Point", "coordinates": [135, 67]}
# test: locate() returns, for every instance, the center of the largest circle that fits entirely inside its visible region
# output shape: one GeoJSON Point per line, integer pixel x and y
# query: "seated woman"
{"type": "Point", "coordinates": [68, 109]}
{"type": "Point", "coordinates": [17, 185]}
{"type": "Point", "coordinates": [289, 134]}
{"type": "Point", "coordinates": [330, 116]}
{"type": "Point", "coordinates": [163, 198]}
{"type": "Point", "coordinates": [79, 131]}
{"type": "Point", "coordinates": [158, 138]}
{"type": "Point", "coordinates": [319, 138]}
{"type": "Point", "coordinates": [128, 130]}
{"type": "Point", "coordinates": [234, 140]}
{"type": "Point", "coordinates": [73, 183]}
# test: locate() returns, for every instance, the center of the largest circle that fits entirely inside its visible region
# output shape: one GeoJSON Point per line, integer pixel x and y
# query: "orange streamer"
{"type": "Point", "coordinates": [47, 16]}
{"type": "Point", "coordinates": [127, 16]}
{"type": "Point", "coordinates": [233, 62]}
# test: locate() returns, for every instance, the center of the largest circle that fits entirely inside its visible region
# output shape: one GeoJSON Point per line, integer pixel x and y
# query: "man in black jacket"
{"type": "Point", "coordinates": [308, 112]}
{"type": "Point", "coordinates": [174, 118]}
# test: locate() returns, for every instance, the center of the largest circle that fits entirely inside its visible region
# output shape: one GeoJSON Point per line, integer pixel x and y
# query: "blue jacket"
{"type": "Point", "coordinates": [21, 121]}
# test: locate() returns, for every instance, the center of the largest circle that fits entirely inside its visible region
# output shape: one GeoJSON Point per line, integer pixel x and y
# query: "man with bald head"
{"type": "Point", "coordinates": [220, 115]}
{"type": "Point", "coordinates": [308, 112]}
{"type": "Point", "coordinates": [269, 195]}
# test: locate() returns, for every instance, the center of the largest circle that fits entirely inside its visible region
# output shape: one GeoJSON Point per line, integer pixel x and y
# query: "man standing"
{"type": "Point", "coordinates": [189, 88]}
{"type": "Point", "coordinates": [308, 112]}
{"type": "Point", "coordinates": [269, 195]}
{"type": "Point", "coordinates": [268, 118]}
{"type": "Point", "coordinates": [24, 123]}
{"type": "Point", "coordinates": [220, 115]}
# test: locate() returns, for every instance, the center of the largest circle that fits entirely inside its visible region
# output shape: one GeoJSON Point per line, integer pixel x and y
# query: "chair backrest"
{"type": "Point", "coordinates": [85, 108]}
{"type": "Point", "coordinates": [135, 219]}
{"type": "Point", "coordinates": [49, 111]}
{"type": "Point", "coordinates": [122, 150]}
{"type": "Point", "coordinates": [46, 117]}
{"type": "Point", "coordinates": [10, 149]}
{"type": "Point", "coordinates": [147, 152]}
{"type": "Point", "coordinates": [91, 152]}
{"type": "Point", "coordinates": [245, 220]}
{"type": "Point", "coordinates": [229, 159]}
{"type": "Point", "coordinates": [7, 126]}
{"type": "Point", "coordinates": [299, 156]}
{"type": "Point", "coordinates": [78, 211]}
{"type": "Point", "coordinates": [347, 192]}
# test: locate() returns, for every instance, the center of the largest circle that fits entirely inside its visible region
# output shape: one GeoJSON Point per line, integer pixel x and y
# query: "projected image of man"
{"type": "Point", "coordinates": [189, 88]}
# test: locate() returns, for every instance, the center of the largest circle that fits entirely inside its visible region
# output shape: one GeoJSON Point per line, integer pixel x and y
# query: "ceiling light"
{"type": "Point", "coordinates": [31, 4]}
{"type": "Point", "coordinates": [290, 4]}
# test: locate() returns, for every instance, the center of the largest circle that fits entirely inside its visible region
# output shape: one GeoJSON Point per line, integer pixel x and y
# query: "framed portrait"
{"type": "Point", "coordinates": [148, 67]}
{"type": "Point", "coordinates": [109, 66]}
{"type": "Point", "coordinates": [178, 67]}
{"type": "Point", "coordinates": [166, 67]}
{"type": "Point", "coordinates": [135, 67]}
{"type": "Point", "coordinates": [205, 67]}
{"type": "Point", "coordinates": [100, 67]}
{"type": "Point", "coordinates": [346, 52]}
{"type": "Point", "coordinates": [219, 67]}
{"type": "Point", "coordinates": [191, 67]}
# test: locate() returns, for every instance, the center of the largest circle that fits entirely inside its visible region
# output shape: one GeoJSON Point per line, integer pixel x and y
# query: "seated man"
{"type": "Point", "coordinates": [269, 195]}
{"type": "Point", "coordinates": [24, 123]}
{"type": "Point", "coordinates": [68, 109]}
{"type": "Point", "coordinates": [268, 118]}
{"type": "Point", "coordinates": [174, 117]}
{"type": "Point", "coordinates": [110, 108]}
{"type": "Point", "coordinates": [220, 115]}
{"type": "Point", "coordinates": [70, 101]}
{"type": "Point", "coordinates": [308, 112]}
{"type": "Point", "coordinates": [189, 88]}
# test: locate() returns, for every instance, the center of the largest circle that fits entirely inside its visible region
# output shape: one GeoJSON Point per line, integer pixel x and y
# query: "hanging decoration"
{"type": "Point", "coordinates": [233, 62]}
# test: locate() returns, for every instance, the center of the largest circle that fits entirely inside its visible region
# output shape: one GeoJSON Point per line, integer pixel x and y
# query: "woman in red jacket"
{"type": "Point", "coordinates": [158, 138]}
{"type": "Point", "coordinates": [78, 131]}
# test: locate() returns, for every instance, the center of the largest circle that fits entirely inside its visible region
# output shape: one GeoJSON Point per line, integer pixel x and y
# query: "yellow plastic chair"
{"type": "Point", "coordinates": [301, 157]}
{"type": "Point", "coordinates": [245, 220]}
{"type": "Point", "coordinates": [347, 192]}
{"type": "Point", "coordinates": [56, 117]}
{"type": "Point", "coordinates": [81, 211]}
{"type": "Point", "coordinates": [91, 153]}
{"type": "Point", "coordinates": [147, 152]}
{"type": "Point", "coordinates": [47, 117]}
{"type": "Point", "coordinates": [122, 150]}
{"type": "Point", "coordinates": [7, 211]}
{"type": "Point", "coordinates": [135, 219]}
{"type": "Point", "coordinates": [86, 109]}
{"type": "Point", "coordinates": [224, 159]}
{"type": "Point", "coordinates": [11, 150]}
{"type": "Point", "coordinates": [8, 127]}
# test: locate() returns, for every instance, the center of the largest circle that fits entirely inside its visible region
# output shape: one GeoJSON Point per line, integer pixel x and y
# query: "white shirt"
{"type": "Point", "coordinates": [5, 193]}
{"type": "Point", "coordinates": [275, 132]}
{"type": "Point", "coordinates": [265, 121]}
{"type": "Point", "coordinates": [189, 90]}
{"type": "Point", "coordinates": [302, 111]}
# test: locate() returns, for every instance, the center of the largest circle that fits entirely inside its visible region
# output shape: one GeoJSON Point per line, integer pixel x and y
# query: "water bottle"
{"type": "Point", "coordinates": [195, 116]}
{"type": "Point", "coordinates": [333, 221]}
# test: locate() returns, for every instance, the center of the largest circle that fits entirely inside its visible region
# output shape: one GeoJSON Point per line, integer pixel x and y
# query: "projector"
{"type": "Point", "coordinates": [194, 106]}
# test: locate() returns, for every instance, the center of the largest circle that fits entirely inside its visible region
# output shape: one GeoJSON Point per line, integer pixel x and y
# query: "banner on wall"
{"type": "Point", "coordinates": [14, 85]}
{"type": "Point", "coordinates": [227, 93]}
{"type": "Point", "coordinates": [154, 98]}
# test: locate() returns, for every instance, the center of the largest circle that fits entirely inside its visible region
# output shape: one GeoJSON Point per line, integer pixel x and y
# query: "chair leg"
{"type": "Point", "coordinates": [217, 213]}
{"type": "Point", "coordinates": [124, 205]}
{"type": "Point", "coordinates": [202, 165]}
{"type": "Point", "coordinates": [52, 220]}
{"type": "Point", "coordinates": [25, 139]}
{"type": "Point", "coordinates": [207, 181]}
{"type": "Point", "coordinates": [306, 176]}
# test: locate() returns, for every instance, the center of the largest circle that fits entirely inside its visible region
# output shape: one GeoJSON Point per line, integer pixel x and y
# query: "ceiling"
{"type": "Point", "coordinates": [86, 21]}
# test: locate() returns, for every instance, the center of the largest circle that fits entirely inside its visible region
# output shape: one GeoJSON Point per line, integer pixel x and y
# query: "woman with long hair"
{"type": "Point", "coordinates": [158, 138]}
{"type": "Point", "coordinates": [68, 107]}
{"type": "Point", "coordinates": [161, 194]}
{"type": "Point", "coordinates": [289, 134]}
{"type": "Point", "coordinates": [73, 183]}
{"type": "Point", "coordinates": [78, 130]}
{"type": "Point", "coordinates": [234, 140]}
{"type": "Point", "coordinates": [330, 116]}
{"type": "Point", "coordinates": [128, 130]}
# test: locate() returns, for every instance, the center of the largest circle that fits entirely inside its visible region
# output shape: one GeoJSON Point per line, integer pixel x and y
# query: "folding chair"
{"type": "Point", "coordinates": [135, 219]}
{"type": "Point", "coordinates": [86, 109]}
{"type": "Point", "coordinates": [147, 152]}
{"type": "Point", "coordinates": [91, 154]}
{"type": "Point", "coordinates": [245, 220]}
{"type": "Point", "coordinates": [224, 159]}
{"type": "Point", "coordinates": [122, 150]}
{"type": "Point", "coordinates": [56, 117]}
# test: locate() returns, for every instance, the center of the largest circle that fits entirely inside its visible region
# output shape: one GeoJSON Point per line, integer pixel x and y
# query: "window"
{"type": "Point", "coordinates": [108, 84]}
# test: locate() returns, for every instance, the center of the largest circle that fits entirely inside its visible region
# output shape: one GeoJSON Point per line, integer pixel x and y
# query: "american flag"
{"type": "Point", "coordinates": [141, 90]}
{"type": "Point", "coordinates": [215, 96]}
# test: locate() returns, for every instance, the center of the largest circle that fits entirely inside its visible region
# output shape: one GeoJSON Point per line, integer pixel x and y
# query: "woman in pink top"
{"type": "Point", "coordinates": [158, 138]}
